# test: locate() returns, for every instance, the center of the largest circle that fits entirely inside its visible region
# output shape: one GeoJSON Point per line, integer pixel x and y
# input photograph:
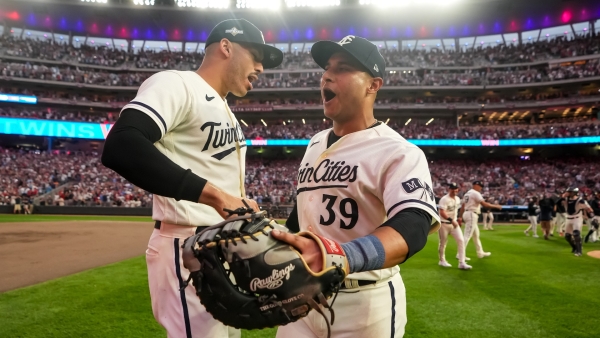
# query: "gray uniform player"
{"type": "Point", "coordinates": [179, 140]}
{"type": "Point", "coordinates": [576, 207]}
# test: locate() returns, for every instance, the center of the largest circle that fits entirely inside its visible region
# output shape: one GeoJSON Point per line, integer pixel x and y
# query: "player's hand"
{"type": "Point", "coordinates": [455, 224]}
{"type": "Point", "coordinates": [459, 221]}
{"type": "Point", "coordinates": [498, 206]}
{"type": "Point", "coordinates": [221, 200]}
{"type": "Point", "coordinates": [308, 248]}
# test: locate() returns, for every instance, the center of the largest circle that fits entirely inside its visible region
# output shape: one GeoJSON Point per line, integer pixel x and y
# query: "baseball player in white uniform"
{"type": "Point", "coordinates": [179, 140]}
{"type": "Point", "coordinates": [471, 208]}
{"type": "Point", "coordinates": [449, 206]}
{"type": "Point", "coordinates": [363, 185]}
{"type": "Point", "coordinates": [488, 218]}
{"type": "Point", "coordinates": [575, 206]}
{"type": "Point", "coordinates": [592, 235]}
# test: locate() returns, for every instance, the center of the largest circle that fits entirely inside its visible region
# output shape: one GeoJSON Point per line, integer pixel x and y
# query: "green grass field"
{"type": "Point", "coordinates": [527, 288]}
{"type": "Point", "coordinates": [55, 218]}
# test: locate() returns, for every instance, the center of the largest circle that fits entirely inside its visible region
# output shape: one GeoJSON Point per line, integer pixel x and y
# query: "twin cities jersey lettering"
{"type": "Point", "coordinates": [472, 201]}
{"type": "Point", "coordinates": [450, 205]}
{"type": "Point", "coordinates": [200, 133]}
{"type": "Point", "coordinates": [348, 190]}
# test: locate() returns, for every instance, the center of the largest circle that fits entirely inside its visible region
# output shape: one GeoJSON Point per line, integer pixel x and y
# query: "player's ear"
{"type": "Point", "coordinates": [226, 47]}
{"type": "Point", "coordinates": [375, 84]}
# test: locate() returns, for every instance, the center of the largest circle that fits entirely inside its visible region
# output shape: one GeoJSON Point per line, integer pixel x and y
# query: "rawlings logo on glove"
{"type": "Point", "coordinates": [273, 284]}
{"type": "Point", "coordinates": [274, 281]}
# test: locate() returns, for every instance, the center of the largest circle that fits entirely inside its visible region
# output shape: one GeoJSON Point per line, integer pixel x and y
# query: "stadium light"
{"type": "Point", "coordinates": [312, 3]}
{"type": "Point", "coordinates": [143, 2]}
{"type": "Point", "coordinates": [96, 1]}
{"type": "Point", "coordinates": [265, 4]}
{"type": "Point", "coordinates": [407, 122]}
{"type": "Point", "coordinates": [203, 3]}
{"type": "Point", "coordinates": [428, 122]}
{"type": "Point", "coordinates": [244, 122]}
{"type": "Point", "coordinates": [403, 3]}
{"type": "Point", "coordinates": [263, 122]}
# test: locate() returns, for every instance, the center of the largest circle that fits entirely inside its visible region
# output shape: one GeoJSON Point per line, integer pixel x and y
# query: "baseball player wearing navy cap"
{"type": "Point", "coordinates": [363, 185]}
{"type": "Point", "coordinates": [179, 140]}
{"type": "Point", "coordinates": [448, 207]}
{"type": "Point", "coordinates": [471, 208]}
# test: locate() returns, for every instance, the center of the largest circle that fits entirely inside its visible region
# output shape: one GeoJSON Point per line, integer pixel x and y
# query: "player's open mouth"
{"type": "Point", "coordinates": [327, 95]}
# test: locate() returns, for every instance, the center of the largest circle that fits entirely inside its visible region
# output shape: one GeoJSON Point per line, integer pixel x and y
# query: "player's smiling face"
{"type": "Point", "coordinates": [344, 87]}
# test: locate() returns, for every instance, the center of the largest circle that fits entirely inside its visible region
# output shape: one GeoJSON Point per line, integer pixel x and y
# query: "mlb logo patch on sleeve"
{"type": "Point", "coordinates": [415, 184]}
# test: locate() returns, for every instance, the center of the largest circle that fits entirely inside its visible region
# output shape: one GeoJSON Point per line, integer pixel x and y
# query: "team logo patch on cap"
{"type": "Point", "coordinates": [234, 31]}
{"type": "Point", "coordinates": [415, 184]}
{"type": "Point", "coordinates": [376, 68]}
{"type": "Point", "coordinates": [346, 40]}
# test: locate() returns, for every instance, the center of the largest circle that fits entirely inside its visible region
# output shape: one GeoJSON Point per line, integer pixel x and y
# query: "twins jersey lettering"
{"type": "Point", "coordinates": [350, 189]}
{"type": "Point", "coordinates": [450, 205]}
{"type": "Point", "coordinates": [472, 201]}
{"type": "Point", "coordinates": [198, 133]}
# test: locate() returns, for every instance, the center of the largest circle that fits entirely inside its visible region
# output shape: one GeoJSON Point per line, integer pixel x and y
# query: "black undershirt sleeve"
{"type": "Point", "coordinates": [413, 224]}
{"type": "Point", "coordinates": [292, 222]}
{"type": "Point", "coordinates": [129, 150]}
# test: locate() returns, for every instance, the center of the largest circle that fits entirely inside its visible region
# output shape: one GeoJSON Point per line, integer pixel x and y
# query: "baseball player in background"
{"type": "Point", "coordinates": [449, 206]}
{"type": "Point", "coordinates": [532, 214]}
{"type": "Point", "coordinates": [363, 185]}
{"type": "Point", "coordinates": [488, 217]}
{"type": "Point", "coordinates": [561, 213]}
{"type": "Point", "coordinates": [471, 208]}
{"type": "Point", "coordinates": [179, 140]}
{"type": "Point", "coordinates": [575, 207]}
{"type": "Point", "coordinates": [592, 235]}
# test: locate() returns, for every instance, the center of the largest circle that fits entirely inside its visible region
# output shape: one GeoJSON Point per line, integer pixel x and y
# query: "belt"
{"type": "Point", "coordinates": [356, 283]}
{"type": "Point", "coordinates": [473, 211]}
{"type": "Point", "coordinates": [198, 229]}
{"type": "Point", "coordinates": [573, 217]}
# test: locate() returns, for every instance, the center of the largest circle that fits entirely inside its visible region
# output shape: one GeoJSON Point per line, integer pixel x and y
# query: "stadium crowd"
{"type": "Point", "coordinates": [82, 180]}
{"type": "Point", "coordinates": [87, 76]}
{"type": "Point", "coordinates": [547, 48]}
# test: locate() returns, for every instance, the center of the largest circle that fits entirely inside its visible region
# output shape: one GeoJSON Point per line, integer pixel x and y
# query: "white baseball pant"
{"type": "Point", "coordinates": [377, 310]}
{"type": "Point", "coordinates": [561, 221]}
{"type": "Point", "coordinates": [532, 225]}
{"type": "Point", "coordinates": [445, 230]}
{"type": "Point", "coordinates": [488, 225]}
{"type": "Point", "coordinates": [574, 223]}
{"type": "Point", "coordinates": [179, 312]}
{"type": "Point", "coordinates": [594, 236]}
{"type": "Point", "coordinates": [472, 230]}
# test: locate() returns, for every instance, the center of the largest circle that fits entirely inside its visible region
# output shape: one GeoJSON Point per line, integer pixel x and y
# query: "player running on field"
{"type": "Point", "coordinates": [363, 185]}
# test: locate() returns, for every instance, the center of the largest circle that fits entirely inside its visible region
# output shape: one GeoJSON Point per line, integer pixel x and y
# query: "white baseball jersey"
{"type": "Point", "coordinates": [450, 205]}
{"type": "Point", "coordinates": [349, 190]}
{"type": "Point", "coordinates": [472, 201]}
{"type": "Point", "coordinates": [199, 132]}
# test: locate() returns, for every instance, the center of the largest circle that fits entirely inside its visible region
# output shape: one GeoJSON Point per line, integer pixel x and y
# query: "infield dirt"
{"type": "Point", "coordinates": [35, 252]}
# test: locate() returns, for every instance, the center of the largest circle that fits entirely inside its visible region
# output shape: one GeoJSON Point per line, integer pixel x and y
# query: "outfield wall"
{"type": "Point", "coordinates": [71, 210]}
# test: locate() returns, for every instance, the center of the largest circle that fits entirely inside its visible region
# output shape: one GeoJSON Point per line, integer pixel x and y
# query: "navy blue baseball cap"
{"type": "Point", "coordinates": [478, 182]}
{"type": "Point", "coordinates": [452, 186]}
{"type": "Point", "coordinates": [243, 31]}
{"type": "Point", "coordinates": [360, 49]}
